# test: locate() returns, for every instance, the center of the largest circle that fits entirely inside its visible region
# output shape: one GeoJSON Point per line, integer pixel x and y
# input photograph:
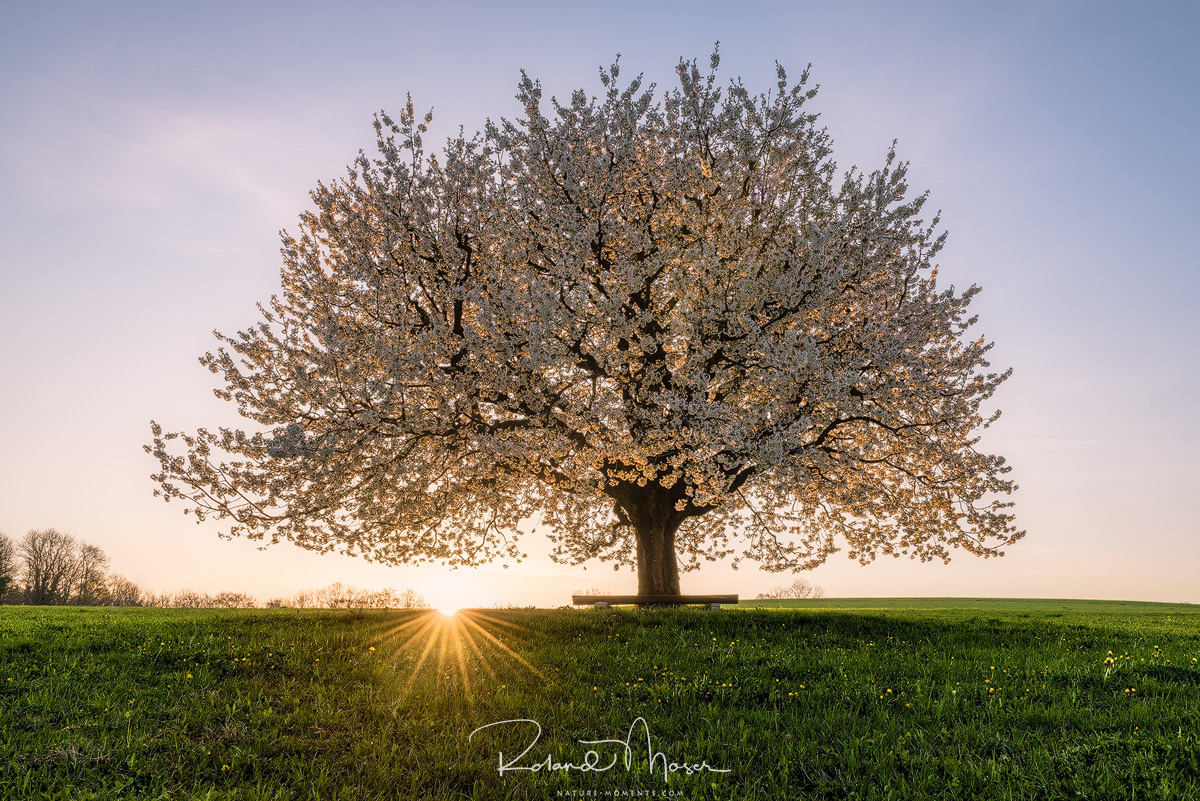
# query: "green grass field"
{"type": "Point", "coordinates": [866, 698]}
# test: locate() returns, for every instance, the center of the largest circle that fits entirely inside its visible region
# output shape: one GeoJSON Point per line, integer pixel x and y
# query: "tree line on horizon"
{"type": "Point", "coordinates": [48, 567]}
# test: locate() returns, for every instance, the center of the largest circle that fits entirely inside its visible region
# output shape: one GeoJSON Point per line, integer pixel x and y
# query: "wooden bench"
{"type": "Point", "coordinates": [605, 601]}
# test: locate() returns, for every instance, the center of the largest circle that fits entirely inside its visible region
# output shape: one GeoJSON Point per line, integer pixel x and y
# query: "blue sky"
{"type": "Point", "coordinates": [150, 154]}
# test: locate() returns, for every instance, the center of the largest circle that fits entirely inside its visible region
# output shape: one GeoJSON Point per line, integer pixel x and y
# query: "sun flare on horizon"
{"type": "Point", "coordinates": [455, 592]}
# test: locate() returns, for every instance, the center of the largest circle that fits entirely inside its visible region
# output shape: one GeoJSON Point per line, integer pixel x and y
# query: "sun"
{"type": "Point", "coordinates": [453, 592]}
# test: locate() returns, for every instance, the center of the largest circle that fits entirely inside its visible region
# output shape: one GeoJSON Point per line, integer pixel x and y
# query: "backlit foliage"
{"type": "Point", "coordinates": [605, 295]}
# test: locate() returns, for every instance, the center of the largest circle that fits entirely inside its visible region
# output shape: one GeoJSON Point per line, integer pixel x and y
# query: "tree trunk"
{"type": "Point", "coordinates": [657, 568]}
{"type": "Point", "coordinates": [650, 511]}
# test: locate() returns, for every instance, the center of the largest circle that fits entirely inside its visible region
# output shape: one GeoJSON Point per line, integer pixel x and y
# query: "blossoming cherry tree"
{"type": "Point", "coordinates": [666, 327]}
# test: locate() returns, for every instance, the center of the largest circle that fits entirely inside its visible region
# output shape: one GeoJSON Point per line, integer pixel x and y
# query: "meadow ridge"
{"type": "Point", "coordinates": [823, 699]}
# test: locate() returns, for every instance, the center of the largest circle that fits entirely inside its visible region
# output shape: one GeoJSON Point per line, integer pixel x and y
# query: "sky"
{"type": "Point", "coordinates": [150, 154]}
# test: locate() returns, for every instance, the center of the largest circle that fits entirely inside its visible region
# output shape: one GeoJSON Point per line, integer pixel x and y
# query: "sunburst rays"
{"type": "Point", "coordinates": [467, 648]}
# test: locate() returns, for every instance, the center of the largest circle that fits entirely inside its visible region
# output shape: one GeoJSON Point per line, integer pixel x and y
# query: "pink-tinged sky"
{"type": "Point", "coordinates": [151, 152]}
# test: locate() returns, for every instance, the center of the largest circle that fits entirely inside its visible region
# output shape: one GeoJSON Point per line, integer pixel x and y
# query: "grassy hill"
{"type": "Point", "coordinates": [827, 698]}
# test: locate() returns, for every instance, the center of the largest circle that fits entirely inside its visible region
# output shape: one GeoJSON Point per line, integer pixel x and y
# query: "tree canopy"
{"type": "Point", "coordinates": [665, 326]}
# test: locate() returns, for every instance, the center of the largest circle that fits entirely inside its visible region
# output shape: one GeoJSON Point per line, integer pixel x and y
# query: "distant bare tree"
{"type": "Point", "coordinates": [157, 600]}
{"type": "Point", "coordinates": [335, 596]}
{"type": "Point", "coordinates": [8, 566]}
{"type": "Point", "coordinates": [186, 599]}
{"type": "Point", "coordinates": [90, 564]}
{"type": "Point", "coordinates": [50, 566]}
{"type": "Point", "coordinates": [231, 600]}
{"type": "Point", "coordinates": [123, 592]}
{"type": "Point", "coordinates": [380, 599]}
{"type": "Point", "coordinates": [305, 599]}
{"type": "Point", "coordinates": [800, 588]}
{"type": "Point", "coordinates": [411, 599]}
{"type": "Point", "coordinates": [359, 599]}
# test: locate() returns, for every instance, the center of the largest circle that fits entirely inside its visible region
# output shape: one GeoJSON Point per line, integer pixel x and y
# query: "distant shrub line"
{"type": "Point", "coordinates": [800, 588]}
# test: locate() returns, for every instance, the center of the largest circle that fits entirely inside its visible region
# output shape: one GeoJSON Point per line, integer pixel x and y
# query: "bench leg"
{"type": "Point", "coordinates": [714, 606]}
{"type": "Point", "coordinates": [601, 605]}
